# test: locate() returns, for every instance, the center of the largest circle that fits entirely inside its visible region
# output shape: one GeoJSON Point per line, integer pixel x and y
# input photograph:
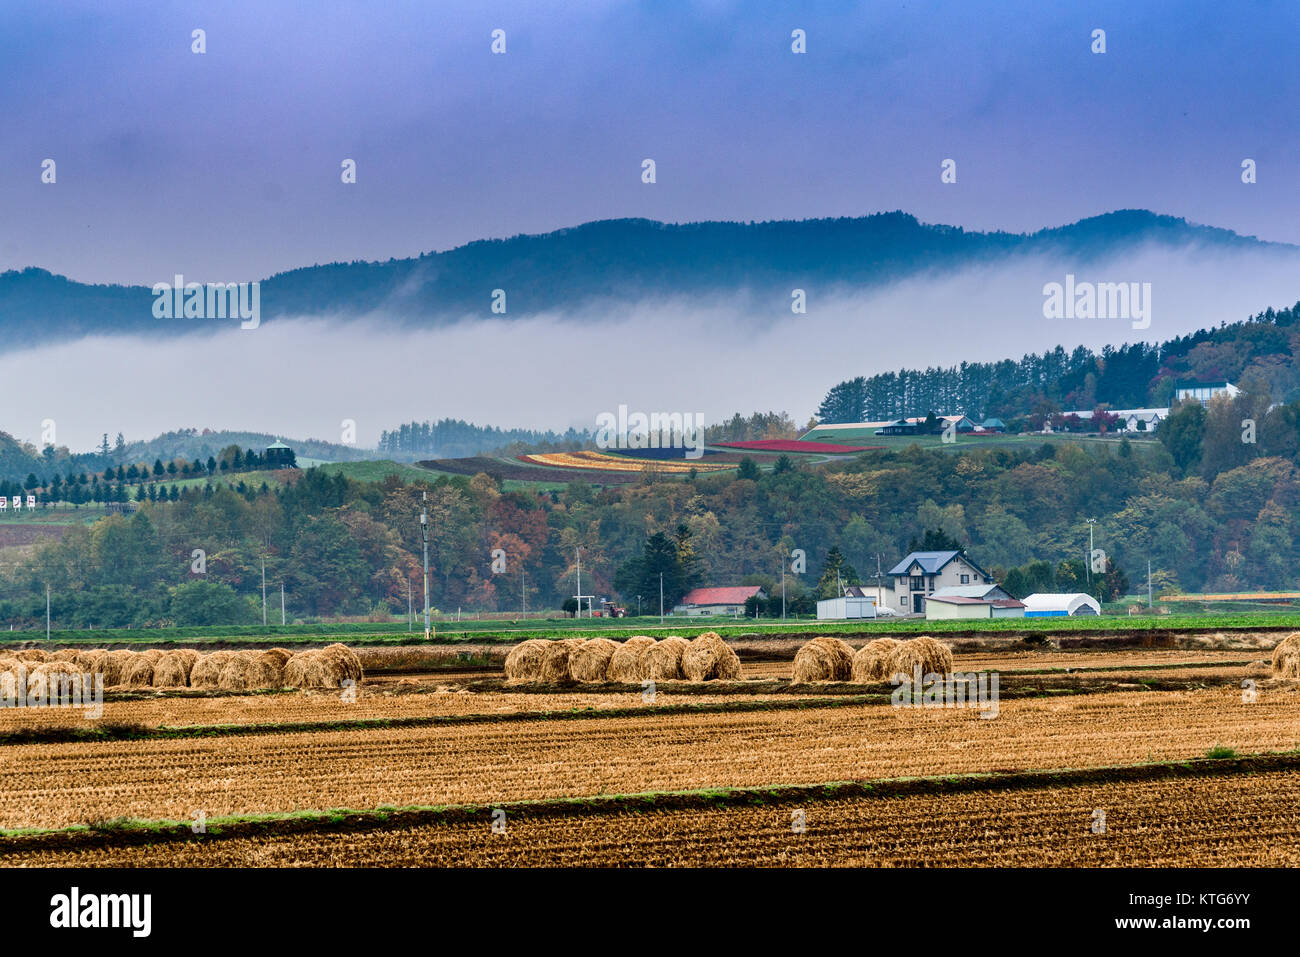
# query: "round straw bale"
{"type": "Point", "coordinates": [138, 671]}
{"type": "Point", "coordinates": [113, 665]}
{"type": "Point", "coordinates": [281, 655]}
{"type": "Point", "coordinates": [663, 659]}
{"type": "Point", "coordinates": [1286, 657]}
{"type": "Point", "coordinates": [869, 660]}
{"type": "Point", "coordinates": [295, 669]}
{"type": "Point", "coordinates": [589, 662]}
{"type": "Point", "coordinates": [172, 670]}
{"type": "Point", "coordinates": [325, 670]}
{"type": "Point", "coordinates": [823, 659]}
{"type": "Point", "coordinates": [346, 659]}
{"type": "Point", "coordinates": [8, 663]}
{"type": "Point", "coordinates": [248, 671]}
{"type": "Point", "coordinates": [709, 657]}
{"type": "Point", "coordinates": [206, 672]}
{"type": "Point", "coordinates": [64, 654]}
{"type": "Point", "coordinates": [31, 654]}
{"type": "Point", "coordinates": [555, 665]}
{"type": "Point", "coordinates": [931, 656]}
{"type": "Point", "coordinates": [629, 659]}
{"type": "Point", "coordinates": [90, 661]}
{"type": "Point", "coordinates": [49, 679]}
{"type": "Point", "coordinates": [153, 654]}
{"type": "Point", "coordinates": [524, 663]}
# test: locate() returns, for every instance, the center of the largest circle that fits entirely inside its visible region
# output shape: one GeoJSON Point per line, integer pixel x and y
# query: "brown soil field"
{"type": "Point", "coordinates": [51, 785]}
{"type": "Point", "coordinates": [1247, 820]}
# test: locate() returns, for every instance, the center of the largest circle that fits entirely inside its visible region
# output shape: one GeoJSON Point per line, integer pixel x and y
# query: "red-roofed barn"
{"type": "Point", "coordinates": [728, 600]}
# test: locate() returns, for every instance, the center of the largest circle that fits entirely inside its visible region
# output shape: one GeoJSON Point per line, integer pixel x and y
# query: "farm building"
{"type": "Point", "coordinates": [1203, 392]}
{"type": "Point", "coordinates": [921, 574]}
{"type": "Point", "coordinates": [728, 600]}
{"type": "Point", "coordinates": [993, 425]}
{"type": "Point", "coordinates": [850, 606]}
{"type": "Point", "coordinates": [985, 591]}
{"type": "Point", "coordinates": [280, 456]}
{"type": "Point", "coordinates": [957, 606]}
{"type": "Point", "coordinates": [1046, 605]}
{"type": "Point", "coordinates": [1130, 420]}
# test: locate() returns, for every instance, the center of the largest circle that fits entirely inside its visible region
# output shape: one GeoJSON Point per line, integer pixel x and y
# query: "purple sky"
{"type": "Point", "coordinates": [226, 165]}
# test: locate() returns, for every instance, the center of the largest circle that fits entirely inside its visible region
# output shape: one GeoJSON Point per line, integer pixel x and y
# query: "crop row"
{"type": "Point", "coordinates": [58, 784]}
{"type": "Point", "coordinates": [1223, 821]}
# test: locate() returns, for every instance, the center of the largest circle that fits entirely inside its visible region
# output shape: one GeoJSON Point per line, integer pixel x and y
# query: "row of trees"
{"type": "Point", "coordinates": [1261, 350]}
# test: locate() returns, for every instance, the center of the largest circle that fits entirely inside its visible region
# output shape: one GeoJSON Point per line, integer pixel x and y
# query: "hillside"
{"type": "Point", "coordinates": [1258, 354]}
{"type": "Point", "coordinates": [623, 259]}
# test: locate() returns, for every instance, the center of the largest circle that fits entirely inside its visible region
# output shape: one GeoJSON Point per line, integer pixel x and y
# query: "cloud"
{"type": "Point", "coordinates": [304, 376]}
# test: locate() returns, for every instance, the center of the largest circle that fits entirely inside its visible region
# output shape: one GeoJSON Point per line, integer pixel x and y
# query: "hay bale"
{"type": "Point", "coordinates": [295, 669]}
{"type": "Point", "coordinates": [1286, 657]}
{"type": "Point", "coordinates": [172, 670]}
{"type": "Point", "coordinates": [555, 664]}
{"type": "Point", "coordinates": [90, 661]}
{"type": "Point", "coordinates": [51, 678]}
{"type": "Point", "coordinates": [589, 662]}
{"type": "Point", "coordinates": [346, 659]}
{"type": "Point", "coordinates": [153, 654]}
{"type": "Point", "coordinates": [206, 672]}
{"type": "Point", "coordinates": [933, 658]}
{"type": "Point", "coordinates": [64, 654]}
{"type": "Point", "coordinates": [709, 658]}
{"type": "Point", "coordinates": [251, 670]}
{"type": "Point", "coordinates": [31, 654]}
{"type": "Point", "coordinates": [629, 660]}
{"type": "Point", "coordinates": [524, 663]}
{"type": "Point", "coordinates": [823, 659]}
{"type": "Point", "coordinates": [325, 670]}
{"type": "Point", "coordinates": [282, 655]}
{"type": "Point", "coordinates": [663, 660]}
{"type": "Point", "coordinates": [869, 661]}
{"type": "Point", "coordinates": [113, 665]}
{"type": "Point", "coordinates": [138, 671]}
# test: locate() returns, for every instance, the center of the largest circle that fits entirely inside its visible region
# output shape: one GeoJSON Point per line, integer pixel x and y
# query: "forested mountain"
{"type": "Point", "coordinates": [611, 260]}
{"type": "Point", "coordinates": [1259, 354]}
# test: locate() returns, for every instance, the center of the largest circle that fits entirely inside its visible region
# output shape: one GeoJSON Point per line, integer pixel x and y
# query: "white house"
{"type": "Point", "coordinates": [1203, 392]}
{"type": "Point", "coordinates": [920, 574]}
{"type": "Point", "coordinates": [1047, 605]}
{"type": "Point", "coordinates": [1130, 420]}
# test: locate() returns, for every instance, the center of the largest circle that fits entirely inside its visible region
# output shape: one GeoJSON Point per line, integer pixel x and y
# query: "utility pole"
{"type": "Point", "coordinates": [661, 598]}
{"type": "Point", "coordinates": [47, 612]}
{"type": "Point", "coordinates": [578, 552]}
{"type": "Point", "coordinates": [263, 589]}
{"type": "Point", "coordinates": [783, 591]}
{"type": "Point", "coordinates": [424, 533]}
{"type": "Point", "coordinates": [1091, 523]}
{"type": "Point", "coordinates": [523, 594]}
{"type": "Point", "coordinates": [281, 601]}
{"type": "Point", "coordinates": [410, 607]}
{"type": "Point", "coordinates": [1149, 605]}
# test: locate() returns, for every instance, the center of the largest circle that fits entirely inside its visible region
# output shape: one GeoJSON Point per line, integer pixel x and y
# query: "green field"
{"type": "Point", "coordinates": [510, 631]}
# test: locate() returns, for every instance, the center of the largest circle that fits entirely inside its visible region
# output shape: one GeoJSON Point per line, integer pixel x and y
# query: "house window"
{"type": "Point", "coordinates": [918, 583]}
{"type": "Point", "coordinates": [965, 579]}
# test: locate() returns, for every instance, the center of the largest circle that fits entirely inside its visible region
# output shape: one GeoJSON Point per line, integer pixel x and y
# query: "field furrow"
{"type": "Point", "coordinates": [58, 784]}
{"type": "Point", "coordinates": [1246, 820]}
